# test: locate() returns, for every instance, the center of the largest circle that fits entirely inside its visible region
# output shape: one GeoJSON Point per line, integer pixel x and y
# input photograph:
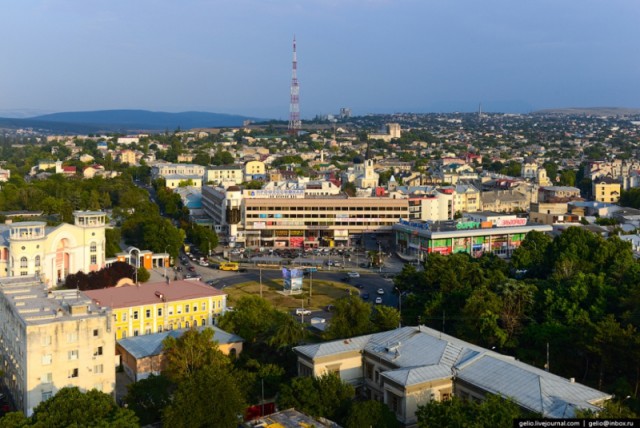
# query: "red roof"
{"type": "Point", "coordinates": [149, 293]}
{"type": "Point", "coordinates": [69, 169]}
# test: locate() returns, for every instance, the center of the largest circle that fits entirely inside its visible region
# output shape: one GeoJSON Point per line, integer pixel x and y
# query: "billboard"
{"type": "Point", "coordinates": [292, 279]}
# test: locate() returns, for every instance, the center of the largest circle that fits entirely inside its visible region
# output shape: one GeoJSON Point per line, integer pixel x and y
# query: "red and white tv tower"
{"type": "Point", "coordinates": [294, 106]}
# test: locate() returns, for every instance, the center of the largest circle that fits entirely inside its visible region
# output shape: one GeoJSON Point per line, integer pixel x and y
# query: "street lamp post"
{"type": "Point", "coordinates": [379, 257]}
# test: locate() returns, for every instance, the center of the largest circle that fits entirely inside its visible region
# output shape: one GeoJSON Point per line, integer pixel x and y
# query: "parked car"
{"type": "Point", "coordinates": [353, 275]}
{"type": "Point", "coordinates": [303, 311]}
{"type": "Point", "coordinates": [378, 300]}
{"type": "Point", "coordinates": [365, 296]}
{"type": "Point", "coordinates": [192, 268]}
{"type": "Point", "coordinates": [380, 291]}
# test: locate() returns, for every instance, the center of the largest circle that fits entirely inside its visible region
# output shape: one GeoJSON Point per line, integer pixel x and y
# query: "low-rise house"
{"type": "Point", "coordinates": [411, 366]}
{"type": "Point", "coordinates": [143, 356]}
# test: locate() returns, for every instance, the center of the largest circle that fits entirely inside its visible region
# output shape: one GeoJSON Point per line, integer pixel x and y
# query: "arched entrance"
{"type": "Point", "coordinates": [62, 260]}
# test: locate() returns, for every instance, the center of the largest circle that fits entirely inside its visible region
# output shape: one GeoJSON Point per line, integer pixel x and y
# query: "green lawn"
{"type": "Point", "coordinates": [324, 293]}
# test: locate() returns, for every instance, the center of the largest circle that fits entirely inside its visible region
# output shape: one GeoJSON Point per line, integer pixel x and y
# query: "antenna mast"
{"type": "Point", "coordinates": [294, 106]}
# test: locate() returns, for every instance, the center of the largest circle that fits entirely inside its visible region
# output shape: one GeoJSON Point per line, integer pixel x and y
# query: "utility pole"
{"type": "Point", "coordinates": [261, 282]}
{"type": "Point", "coordinates": [379, 257]}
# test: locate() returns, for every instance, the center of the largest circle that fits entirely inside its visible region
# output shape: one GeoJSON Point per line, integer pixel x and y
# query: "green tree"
{"type": "Point", "coordinates": [250, 319]}
{"type": "Point", "coordinates": [371, 413]}
{"type": "Point", "coordinates": [143, 274]}
{"type": "Point", "coordinates": [351, 317]}
{"type": "Point", "coordinates": [209, 397]}
{"type": "Point", "coordinates": [326, 396]}
{"type": "Point", "coordinates": [191, 352]}
{"type": "Point", "coordinates": [148, 398]}
{"type": "Point", "coordinates": [286, 331]}
{"type": "Point", "coordinates": [494, 411]}
{"type": "Point", "coordinates": [70, 407]}
{"type": "Point", "coordinates": [385, 318]}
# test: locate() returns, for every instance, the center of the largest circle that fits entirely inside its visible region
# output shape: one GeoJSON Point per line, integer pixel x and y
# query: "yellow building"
{"type": "Point", "coordinates": [50, 340]}
{"type": "Point", "coordinates": [156, 307]}
{"type": "Point", "coordinates": [51, 253]}
{"type": "Point", "coordinates": [606, 189]}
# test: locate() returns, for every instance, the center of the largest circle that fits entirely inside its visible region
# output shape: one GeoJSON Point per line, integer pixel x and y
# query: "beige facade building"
{"type": "Point", "coordinates": [411, 366]}
{"type": "Point", "coordinates": [606, 189]}
{"type": "Point", "coordinates": [225, 174]}
{"type": "Point", "coordinates": [33, 248]}
{"type": "Point", "coordinates": [52, 339]}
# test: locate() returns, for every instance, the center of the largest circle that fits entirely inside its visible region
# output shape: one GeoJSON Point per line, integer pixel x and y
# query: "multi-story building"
{"type": "Point", "coordinates": [289, 219]}
{"type": "Point", "coordinates": [52, 253]}
{"type": "Point", "coordinates": [412, 366]}
{"type": "Point", "coordinates": [155, 307]}
{"type": "Point", "coordinates": [52, 339]}
{"type": "Point", "coordinates": [474, 235]}
{"type": "Point", "coordinates": [224, 208]}
{"type": "Point", "coordinates": [606, 189]}
{"type": "Point", "coordinates": [254, 170]}
{"type": "Point", "coordinates": [185, 169]}
{"type": "Point", "coordinates": [225, 174]}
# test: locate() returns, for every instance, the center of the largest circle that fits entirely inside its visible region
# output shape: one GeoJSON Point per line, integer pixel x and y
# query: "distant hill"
{"type": "Point", "coordinates": [591, 111]}
{"type": "Point", "coordinates": [124, 121]}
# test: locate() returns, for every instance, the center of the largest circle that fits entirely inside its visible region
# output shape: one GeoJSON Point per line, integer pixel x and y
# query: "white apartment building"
{"type": "Point", "coordinates": [224, 174]}
{"type": "Point", "coordinates": [187, 169]}
{"type": "Point", "coordinates": [50, 340]}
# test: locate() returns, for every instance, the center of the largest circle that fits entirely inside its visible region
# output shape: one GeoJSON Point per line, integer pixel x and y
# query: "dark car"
{"type": "Point", "coordinates": [359, 285]}
{"type": "Point", "coordinates": [242, 269]}
{"type": "Point", "coordinates": [365, 296]}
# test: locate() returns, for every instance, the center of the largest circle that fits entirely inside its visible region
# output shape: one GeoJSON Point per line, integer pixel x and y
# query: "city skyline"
{"type": "Point", "coordinates": [373, 56]}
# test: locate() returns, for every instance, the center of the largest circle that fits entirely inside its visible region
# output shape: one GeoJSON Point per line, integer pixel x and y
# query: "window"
{"type": "Point", "coordinates": [135, 332]}
{"type": "Point", "coordinates": [47, 378]}
{"type": "Point", "coordinates": [96, 332]}
{"type": "Point", "coordinates": [72, 337]}
{"type": "Point", "coordinates": [37, 263]}
{"type": "Point", "coordinates": [46, 340]}
{"type": "Point", "coordinates": [124, 334]}
{"type": "Point", "coordinates": [203, 306]}
{"type": "Point", "coordinates": [94, 259]}
{"type": "Point", "coordinates": [23, 262]}
{"type": "Point", "coordinates": [147, 330]}
{"type": "Point", "coordinates": [159, 312]}
{"type": "Point", "coordinates": [72, 373]}
{"type": "Point", "coordinates": [179, 310]}
{"type": "Point", "coordinates": [195, 308]}
{"type": "Point", "coordinates": [46, 359]}
{"type": "Point", "coordinates": [98, 368]}
{"type": "Point", "coordinates": [98, 386]}
{"type": "Point", "coordinates": [92, 247]}
{"type": "Point", "coordinates": [73, 355]}
{"type": "Point", "coordinates": [135, 315]}
{"type": "Point", "coordinates": [170, 310]}
{"type": "Point", "coordinates": [147, 313]}
{"type": "Point", "coordinates": [97, 351]}
{"type": "Point", "coordinates": [124, 316]}
{"type": "Point", "coordinates": [46, 395]}
{"type": "Point", "coordinates": [186, 309]}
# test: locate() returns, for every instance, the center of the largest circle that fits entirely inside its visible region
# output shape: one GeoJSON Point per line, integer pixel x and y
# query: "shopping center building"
{"type": "Point", "coordinates": [498, 234]}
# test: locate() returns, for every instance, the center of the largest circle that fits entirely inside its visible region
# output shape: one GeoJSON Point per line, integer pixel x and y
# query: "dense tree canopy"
{"type": "Point", "coordinates": [70, 407]}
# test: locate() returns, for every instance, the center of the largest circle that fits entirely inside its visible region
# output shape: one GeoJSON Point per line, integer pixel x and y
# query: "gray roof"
{"type": "Point", "coordinates": [535, 389]}
{"type": "Point", "coordinates": [420, 354]}
{"type": "Point", "coordinates": [151, 344]}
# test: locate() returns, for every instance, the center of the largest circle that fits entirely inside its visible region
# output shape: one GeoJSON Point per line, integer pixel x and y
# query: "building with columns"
{"type": "Point", "coordinates": [51, 253]}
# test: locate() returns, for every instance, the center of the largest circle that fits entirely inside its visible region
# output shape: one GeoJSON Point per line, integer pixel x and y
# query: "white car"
{"type": "Point", "coordinates": [378, 300]}
{"type": "Point", "coordinates": [380, 291]}
{"type": "Point", "coordinates": [353, 275]}
{"type": "Point", "coordinates": [303, 311]}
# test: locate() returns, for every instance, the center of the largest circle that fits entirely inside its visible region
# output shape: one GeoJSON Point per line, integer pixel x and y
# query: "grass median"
{"type": "Point", "coordinates": [324, 293]}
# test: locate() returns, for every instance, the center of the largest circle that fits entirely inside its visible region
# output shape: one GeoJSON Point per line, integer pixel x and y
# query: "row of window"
{"type": "Point", "coordinates": [73, 354]}
{"type": "Point", "coordinates": [326, 208]}
{"type": "Point", "coordinates": [309, 216]}
{"type": "Point", "coordinates": [147, 312]}
{"type": "Point", "coordinates": [170, 327]}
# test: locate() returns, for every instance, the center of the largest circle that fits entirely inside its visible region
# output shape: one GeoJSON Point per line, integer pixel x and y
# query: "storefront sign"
{"type": "Point", "coordinates": [277, 193]}
{"type": "Point", "coordinates": [414, 224]}
{"type": "Point", "coordinates": [507, 222]}
{"type": "Point", "coordinates": [468, 225]}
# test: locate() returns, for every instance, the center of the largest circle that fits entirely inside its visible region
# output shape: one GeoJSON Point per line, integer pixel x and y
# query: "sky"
{"type": "Point", "coordinates": [373, 56]}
